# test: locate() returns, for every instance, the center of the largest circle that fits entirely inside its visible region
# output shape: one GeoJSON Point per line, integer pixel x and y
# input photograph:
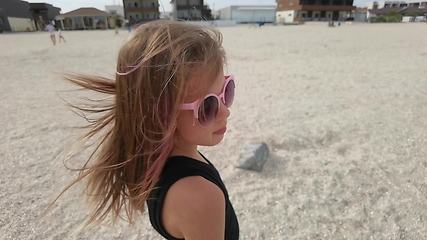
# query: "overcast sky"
{"type": "Point", "coordinates": [67, 6]}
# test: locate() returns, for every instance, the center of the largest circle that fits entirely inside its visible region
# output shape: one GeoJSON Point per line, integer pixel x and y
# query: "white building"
{"type": "Point", "coordinates": [383, 4]}
{"type": "Point", "coordinates": [394, 4]}
{"type": "Point", "coordinates": [416, 3]}
{"type": "Point", "coordinates": [249, 14]}
{"type": "Point", "coordinates": [115, 9]}
{"type": "Point", "coordinates": [166, 15]}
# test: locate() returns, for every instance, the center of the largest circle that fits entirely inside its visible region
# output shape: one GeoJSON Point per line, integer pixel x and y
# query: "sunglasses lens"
{"type": "Point", "coordinates": [208, 111]}
{"type": "Point", "coordinates": [229, 93]}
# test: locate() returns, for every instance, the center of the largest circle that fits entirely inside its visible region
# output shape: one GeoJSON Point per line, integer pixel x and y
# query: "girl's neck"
{"type": "Point", "coordinates": [191, 153]}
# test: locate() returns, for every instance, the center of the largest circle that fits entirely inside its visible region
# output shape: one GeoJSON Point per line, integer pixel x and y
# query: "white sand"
{"type": "Point", "coordinates": [342, 109]}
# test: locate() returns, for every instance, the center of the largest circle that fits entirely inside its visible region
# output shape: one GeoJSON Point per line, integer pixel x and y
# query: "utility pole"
{"type": "Point", "coordinates": [213, 12]}
{"type": "Point", "coordinates": [174, 11]}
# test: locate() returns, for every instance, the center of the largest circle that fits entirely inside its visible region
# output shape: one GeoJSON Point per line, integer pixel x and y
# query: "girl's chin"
{"type": "Point", "coordinates": [215, 141]}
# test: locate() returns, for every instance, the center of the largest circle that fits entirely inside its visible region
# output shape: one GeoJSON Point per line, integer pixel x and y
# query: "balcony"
{"type": "Point", "coordinates": [141, 9]}
{"type": "Point", "coordinates": [325, 8]}
{"type": "Point", "coordinates": [327, 2]}
{"type": "Point", "coordinates": [189, 7]}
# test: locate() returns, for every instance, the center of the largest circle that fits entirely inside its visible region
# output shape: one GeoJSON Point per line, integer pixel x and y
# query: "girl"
{"type": "Point", "coordinates": [169, 96]}
{"type": "Point", "coordinates": [60, 36]}
{"type": "Point", "coordinates": [51, 29]}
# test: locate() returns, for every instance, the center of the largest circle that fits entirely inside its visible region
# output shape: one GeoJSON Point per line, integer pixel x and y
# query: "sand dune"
{"type": "Point", "coordinates": [343, 111]}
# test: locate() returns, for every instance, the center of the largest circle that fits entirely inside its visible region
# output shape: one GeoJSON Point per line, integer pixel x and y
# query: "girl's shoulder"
{"type": "Point", "coordinates": [189, 200]}
{"type": "Point", "coordinates": [195, 206]}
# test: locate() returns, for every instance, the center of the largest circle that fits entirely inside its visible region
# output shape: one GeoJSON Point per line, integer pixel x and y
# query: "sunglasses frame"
{"type": "Point", "coordinates": [197, 104]}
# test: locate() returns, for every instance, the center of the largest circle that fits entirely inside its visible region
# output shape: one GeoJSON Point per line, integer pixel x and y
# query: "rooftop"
{"type": "Point", "coordinates": [88, 11]}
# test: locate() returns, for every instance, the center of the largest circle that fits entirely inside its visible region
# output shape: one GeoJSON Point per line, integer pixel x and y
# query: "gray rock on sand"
{"type": "Point", "coordinates": [253, 156]}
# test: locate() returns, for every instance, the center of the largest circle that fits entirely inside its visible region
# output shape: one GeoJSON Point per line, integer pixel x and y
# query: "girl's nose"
{"type": "Point", "coordinates": [223, 112]}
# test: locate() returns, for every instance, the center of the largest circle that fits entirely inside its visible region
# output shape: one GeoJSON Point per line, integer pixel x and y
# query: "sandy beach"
{"type": "Point", "coordinates": [343, 111]}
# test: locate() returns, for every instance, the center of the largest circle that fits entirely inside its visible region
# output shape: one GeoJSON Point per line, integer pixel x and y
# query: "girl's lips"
{"type": "Point", "coordinates": [221, 131]}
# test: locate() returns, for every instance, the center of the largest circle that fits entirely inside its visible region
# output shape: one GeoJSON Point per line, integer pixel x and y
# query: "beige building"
{"type": "Point", "coordinates": [86, 18]}
{"type": "Point", "coordinates": [21, 24]}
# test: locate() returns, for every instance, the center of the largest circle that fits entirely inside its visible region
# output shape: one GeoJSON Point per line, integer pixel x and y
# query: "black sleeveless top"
{"type": "Point", "coordinates": [179, 167]}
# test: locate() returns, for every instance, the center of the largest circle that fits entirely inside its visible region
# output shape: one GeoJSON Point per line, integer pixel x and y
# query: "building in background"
{"type": "Point", "coordinates": [86, 18]}
{"type": "Point", "coordinates": [43, 13]}
{"type": "Point", "coordinates": [15, 16]}
{"type": "Point", "coordinates": [118, 13]}
{"type": "Point", "coordinates": [115, 9]}
{"type": "Point", "coordinates": [412, 10]}
{"type": "Point", "coordinates": [360, 14]}
{"type": "Point", "coordinates": [138, 11]}
{"type": "Point", "coordinates": [417, 3]}
{"type": "Point", "coordinates": [386, 4]}
{"type": "Point", "coordinates": [166, 15]}
{"type": "Point", "coordinates": [249, 14]}
{"type": "Point", "coordinates": [193, 10]}
{"type": "Point", "coordinates": [313, 10]}
{"type": "Point", "coordinates": [389, 5]}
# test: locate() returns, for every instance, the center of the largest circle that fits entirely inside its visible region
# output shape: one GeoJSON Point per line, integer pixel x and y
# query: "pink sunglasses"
{"type": "Point", "coordinates": [206, 111]}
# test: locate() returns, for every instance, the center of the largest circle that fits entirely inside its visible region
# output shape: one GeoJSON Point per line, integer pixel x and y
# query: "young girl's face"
{"type": "Point", "coordinates": [189, 131]}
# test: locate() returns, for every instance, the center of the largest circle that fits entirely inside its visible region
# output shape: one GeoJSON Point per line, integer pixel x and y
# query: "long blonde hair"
{"type": "Point", "coordinates": [136, 130]}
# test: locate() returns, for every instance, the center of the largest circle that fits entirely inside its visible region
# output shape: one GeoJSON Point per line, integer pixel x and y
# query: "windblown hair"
{"type": "Point", "coordinates": [135, 132]}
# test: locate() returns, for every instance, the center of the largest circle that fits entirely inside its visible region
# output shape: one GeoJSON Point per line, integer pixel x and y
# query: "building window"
{"type": "Point", "coordinates": [193, 2]}
{"type": "Point", "coordinates": [149, 4]}
{"type": "Point", "coordinates": [322, 14]}
{"type": "Point", "coordinates": [136, 5]}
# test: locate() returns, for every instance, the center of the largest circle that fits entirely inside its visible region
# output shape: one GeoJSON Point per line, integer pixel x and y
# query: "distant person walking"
{"type": "Point", "coordinates": [51, 29]}
{"type": "Point", "coordinates": [60, 37]}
